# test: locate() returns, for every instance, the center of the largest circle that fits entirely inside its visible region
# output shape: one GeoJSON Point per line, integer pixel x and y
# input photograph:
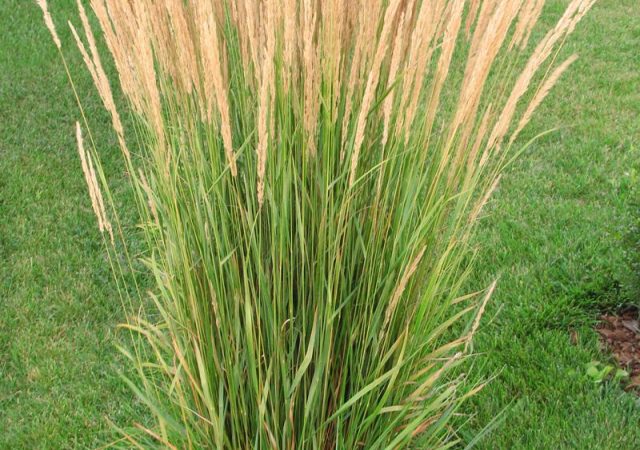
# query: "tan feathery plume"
{"type": "Point", "coordinates": [87, 177]}
{"type": "Point", "coordinates": [251, 31]}
{"type": "Point", "coordinates": [98, 194]}
{"type": "Point", "coordinates": [215, 87]}
{"type": "Point", "coordinates": [484, 200]}
{"type": "Point", "coordinates": [85, 56]}
{"type": "Point", "coordinates": [476, 322]}
{"type": "Point", "coordinates": [476, 73]}
{"type": "Point", "coordinates": [485, 10]}
{"type": "Point", "coordinates": [145, 72]}
{"type": "Point", "coordinates": [97, 203]}
{"type": "Point", "coordinates": [352, 84]}
{"type": "Point", "coordinates": [372, 12]}
{"type": "Point", "coordinates": [240, 18]}
{"type": "Point", "coordinates": [109, 34]}
{"type": "Point", "coordinates": [92, 44]}
{"type": "Point", "coordinates": [573, 14]}
{"type": "Point", "coordinates": [396, 56]}
{"type": "Point", "coordinates": [311, 69]}
{"type": "Point", "coordinates": [128, 31]}
{"type": "Point", "coordinates": [330, 47]}
{"type": "Point", "coordinates": [185, 55]}
{"type": "Point", "coordinates": [488, 43]}
{"type": "Point", "coordinates": [526, 20]}
{"type": "Point", "coordinates": [482, 31]}
{"type": "Point", "coordinates": [535, 15]}
{"type": "Point", "coordinates": [451, 31]}
{"type": "Point", "coordinates": [100, 78]}
{"type": "Point", "coordinates": [542, 93]}
{"type": "Point", "coordinates": [372, 84]}
{"type": "Point", "coordinates": [363, 43]}
{"type": "Point", "coordinates": [290, 41]}
{"type": "Point", "coordinates": [471, 15]}
{"type": "Point", "coordinates": [236, 13]}
{"type": "Point", "coordinates": [120, 41]}
{"type": "Point", "coordinates": [49, 22]}
{"type": "Point", "coordinates": [163, 42]}
{"type": "Point", "coordinates": [431, 17]}
{"type": "Point", "coordinates": [266, 80]}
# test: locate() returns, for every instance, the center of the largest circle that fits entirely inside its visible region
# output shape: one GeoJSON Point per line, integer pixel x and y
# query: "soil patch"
{"type": "Point", "coordinates": [620, 333]}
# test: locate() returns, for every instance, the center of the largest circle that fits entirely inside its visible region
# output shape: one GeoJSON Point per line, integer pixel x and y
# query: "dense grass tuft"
{"type": "Point", "coordinates": [308, 177]}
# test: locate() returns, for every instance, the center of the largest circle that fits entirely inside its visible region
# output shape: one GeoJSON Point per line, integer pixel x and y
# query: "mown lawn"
{"type": "Point", "coordinates": [557, 234]}
{"type": "Point", "coordinates": [58, 303]}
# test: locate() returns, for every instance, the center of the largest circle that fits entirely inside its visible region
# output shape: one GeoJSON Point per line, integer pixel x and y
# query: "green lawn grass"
{"type": "Point", "coordinates": [58, 302]}
{"type": "Point", "coordinates": [556, 233]}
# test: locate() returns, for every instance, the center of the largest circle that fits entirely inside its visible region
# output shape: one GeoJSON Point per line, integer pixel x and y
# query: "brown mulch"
{"type": "Point", "coordinates": [621, 335]}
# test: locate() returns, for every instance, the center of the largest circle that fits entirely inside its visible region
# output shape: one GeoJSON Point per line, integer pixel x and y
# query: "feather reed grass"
{"type": "Point", "coordinates": [308, 177]}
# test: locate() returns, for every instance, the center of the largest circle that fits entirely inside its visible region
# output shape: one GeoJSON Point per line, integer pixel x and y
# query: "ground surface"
{"type": "Point", "coordinates": [556, 234]}
{"type": "Point", "coordinates": [620, 335]}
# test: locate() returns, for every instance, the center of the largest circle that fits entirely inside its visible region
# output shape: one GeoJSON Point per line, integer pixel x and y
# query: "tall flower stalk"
{"type": "Point", "coordinates": [308, 175]}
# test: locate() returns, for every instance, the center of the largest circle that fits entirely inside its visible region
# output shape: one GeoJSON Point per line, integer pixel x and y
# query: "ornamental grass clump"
{"type": "Point", "coordinates": [308, 175]}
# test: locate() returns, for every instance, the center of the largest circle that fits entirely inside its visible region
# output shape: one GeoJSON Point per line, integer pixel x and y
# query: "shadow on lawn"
{"type": "Point", "coordinates": [619, 330]}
